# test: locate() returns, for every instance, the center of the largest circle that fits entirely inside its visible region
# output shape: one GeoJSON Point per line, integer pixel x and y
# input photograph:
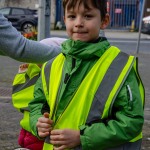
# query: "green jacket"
{"type": "Point", "coordinates": [80, 57]}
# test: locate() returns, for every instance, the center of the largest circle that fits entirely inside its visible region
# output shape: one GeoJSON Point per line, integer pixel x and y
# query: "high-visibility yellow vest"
{"type": "Point", "coordinates": [95, 81]}
{"type": "Point", "coordinates": [22, 93]}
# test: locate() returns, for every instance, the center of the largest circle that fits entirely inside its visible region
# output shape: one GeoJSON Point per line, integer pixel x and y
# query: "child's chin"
{"type": "Point", "coordinates": [82, 40]}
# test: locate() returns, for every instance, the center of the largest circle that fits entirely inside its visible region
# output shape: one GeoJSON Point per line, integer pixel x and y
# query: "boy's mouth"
{"type": "Point", "coordinates": [80, 32]}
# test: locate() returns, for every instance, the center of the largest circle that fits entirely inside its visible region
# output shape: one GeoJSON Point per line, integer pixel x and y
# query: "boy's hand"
{"type": "Point", "coordinates": [66, 138]}
{"type": "Point", "coordinates": [23, 68]}
{"type": "Point", "coordinates": [44, 125]}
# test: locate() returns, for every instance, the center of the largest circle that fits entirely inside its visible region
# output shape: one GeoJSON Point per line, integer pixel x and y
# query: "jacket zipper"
{"type": "Point", "coordinates": [130, 104]}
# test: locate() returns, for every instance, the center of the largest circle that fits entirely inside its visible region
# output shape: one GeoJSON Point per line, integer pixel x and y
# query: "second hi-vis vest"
{"type": "Point", "coordinates": [103, 85]}
{"type": "Point", "coordinates": [22, 92]}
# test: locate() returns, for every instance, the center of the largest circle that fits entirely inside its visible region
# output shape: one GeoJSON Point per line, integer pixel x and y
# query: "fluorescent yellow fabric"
{"type": "Point", "coordinates": [69, 119]}
{"type": "Point", "coordinates": [73, 117]}
{"type": "Point", "coordinates": [23, 96]}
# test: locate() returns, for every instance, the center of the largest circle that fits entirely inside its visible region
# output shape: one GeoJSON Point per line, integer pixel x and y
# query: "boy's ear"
{"type": "Point", "coordinates": [105, 22]}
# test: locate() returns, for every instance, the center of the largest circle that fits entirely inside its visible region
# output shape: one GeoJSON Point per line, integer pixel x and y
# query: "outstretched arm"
{"type": "Point", "coordinates": [14, 45]}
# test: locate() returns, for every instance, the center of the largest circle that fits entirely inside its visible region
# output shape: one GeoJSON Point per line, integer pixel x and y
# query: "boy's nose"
{"type": "Point", "coordinates": [79, 22]}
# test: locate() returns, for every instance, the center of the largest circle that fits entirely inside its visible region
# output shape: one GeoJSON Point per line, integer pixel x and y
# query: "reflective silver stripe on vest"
{"type": "Point", "coordinates": [47, 71]}
{"type": "Point", "coordinates": [106, 86]}
{"type": "Point", "coordinates": [28, 82]}
{"type": "Point", "coordinates": [102, 94]}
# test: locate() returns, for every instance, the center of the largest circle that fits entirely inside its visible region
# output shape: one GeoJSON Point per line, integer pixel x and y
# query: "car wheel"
{"type": "Point", "coordinates": [27, 27]}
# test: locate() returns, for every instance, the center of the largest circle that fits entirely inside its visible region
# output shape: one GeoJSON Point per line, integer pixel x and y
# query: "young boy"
{"type": "Point", "coordinates": [92, 90]}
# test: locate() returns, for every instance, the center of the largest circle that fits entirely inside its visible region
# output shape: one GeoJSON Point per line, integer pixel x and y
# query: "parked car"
{"type": "Point", "coordinates": [146, 25]}
{"type": "Point", "coordinates": [23, 19]}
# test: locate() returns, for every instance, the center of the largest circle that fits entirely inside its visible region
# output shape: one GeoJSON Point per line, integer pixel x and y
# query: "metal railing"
{"type": "Point", "coordinates": [124, 14]}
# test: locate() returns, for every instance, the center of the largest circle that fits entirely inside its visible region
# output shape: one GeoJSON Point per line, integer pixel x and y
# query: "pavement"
{"type": "Point", "coordinates": [10, 117]}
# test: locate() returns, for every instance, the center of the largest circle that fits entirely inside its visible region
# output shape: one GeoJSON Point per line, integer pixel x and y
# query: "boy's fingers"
{"type": "Point", "coordinates": [41, 134]}
{"type": "Point", "coordinates": [56, 132]}
{"type": "Point", "coordinates": [46, 115]}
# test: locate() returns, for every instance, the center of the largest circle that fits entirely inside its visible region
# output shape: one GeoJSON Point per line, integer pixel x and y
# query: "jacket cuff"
{"type": "Point", "coordinates": [84, 143]}
{"type": "Point", "coordinates": [82, 128]}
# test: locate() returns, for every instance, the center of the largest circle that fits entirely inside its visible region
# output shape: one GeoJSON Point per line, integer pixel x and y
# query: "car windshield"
{"type": "Point", "coordinates": [5, 11]}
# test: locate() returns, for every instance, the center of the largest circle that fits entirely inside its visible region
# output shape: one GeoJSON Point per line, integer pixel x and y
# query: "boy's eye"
{"type": "Point", "coordinates": [88, 16]}
{"type": "Point", "coordinates": [71, 16]}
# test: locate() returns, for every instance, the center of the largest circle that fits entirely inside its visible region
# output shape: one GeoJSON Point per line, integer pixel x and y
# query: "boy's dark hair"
{"type": "Point", "coordinates": [99, 4]}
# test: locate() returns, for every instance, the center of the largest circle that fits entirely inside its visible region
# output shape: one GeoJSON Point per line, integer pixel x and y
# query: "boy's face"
{"type": "Point", "coordinates": [83, 24]}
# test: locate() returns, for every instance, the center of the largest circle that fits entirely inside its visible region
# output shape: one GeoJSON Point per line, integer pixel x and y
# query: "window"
{"type": "Point", "coordinates": [5, 11]}
{"type": "Point", "coordinates": [17, 11]}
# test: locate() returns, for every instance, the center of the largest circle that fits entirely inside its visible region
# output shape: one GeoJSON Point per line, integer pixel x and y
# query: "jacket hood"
{"type": "Point", "coordinates": [85, 50]}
